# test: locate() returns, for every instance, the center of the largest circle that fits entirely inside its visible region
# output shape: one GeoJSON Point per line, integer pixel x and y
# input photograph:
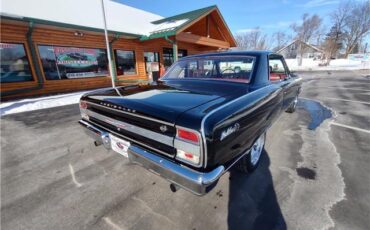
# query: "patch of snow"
{"type": "Point", "coordinates": [88, 13]}
{"type": "Point", "coordinates": [170, 25]}
{"type": "Point", "coordinates": [337, 64]}
{"type": "Point", "coordinates": [32, 104]}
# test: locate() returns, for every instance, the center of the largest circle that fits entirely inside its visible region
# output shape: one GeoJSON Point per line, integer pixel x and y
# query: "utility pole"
{"type": "Point", "coordinates": [111, 72]}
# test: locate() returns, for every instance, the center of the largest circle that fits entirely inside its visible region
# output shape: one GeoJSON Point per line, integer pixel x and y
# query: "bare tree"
{"type": "Point", "coordinates": [252, 40]}
{"type": "Point", "coordinates": [306, 31]}
{"type": "Point", "coordinates": [335, 38]}
{"type": "Point", "coordinates": [357, 24]}
{"type": "Point", "coordinates": [333, 42]}
{"type": "Point", "coordinates": [280, 39]}
{"type": "Point", "coordinates": [241, 40]}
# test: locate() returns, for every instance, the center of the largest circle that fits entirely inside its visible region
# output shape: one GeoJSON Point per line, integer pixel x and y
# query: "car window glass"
{"type": "Point", "coordinates": [276, 66]}
{"type": "Point", "coordinates": [230, 68]}
{"type": "Point", "coordinates": [277, 70]}
{"type": "Point", "coordinates": [14, 63]}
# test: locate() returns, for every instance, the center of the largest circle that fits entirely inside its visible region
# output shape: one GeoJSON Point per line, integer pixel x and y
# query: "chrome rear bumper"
{"type": "Point", "coordinates": [196, 182]}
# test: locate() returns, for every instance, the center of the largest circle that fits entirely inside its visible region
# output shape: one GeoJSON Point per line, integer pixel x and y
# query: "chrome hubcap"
{"type": "Point", "coordinates": [257, 149]}
{"type": "Point", "coordinates": [295, 101]}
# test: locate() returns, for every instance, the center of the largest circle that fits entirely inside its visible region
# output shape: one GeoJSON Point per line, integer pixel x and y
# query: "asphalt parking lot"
{"type": "Point", "coordinates": [314, 173]}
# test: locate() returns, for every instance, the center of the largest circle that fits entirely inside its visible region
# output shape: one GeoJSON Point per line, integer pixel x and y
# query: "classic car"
{"type": "Point", "coordinates": [208, 113]}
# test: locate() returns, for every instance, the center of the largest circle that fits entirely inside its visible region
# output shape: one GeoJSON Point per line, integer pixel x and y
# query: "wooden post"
{"type": "Point", "coordinates": [207, 26]}
{"type": "Point", "coordinates": [114, 69]}
{"type": "Point", "coordinates": [175, 51]}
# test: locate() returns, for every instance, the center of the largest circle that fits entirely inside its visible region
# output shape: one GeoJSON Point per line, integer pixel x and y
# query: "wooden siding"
{"type": "Point", "coordinates": [200, 28]}
{"type": "Point", "coordinates": [47, 35]}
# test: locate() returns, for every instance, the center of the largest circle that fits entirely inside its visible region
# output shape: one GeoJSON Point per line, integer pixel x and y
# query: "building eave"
{"type": "Point", "coordinates": [66, 25]}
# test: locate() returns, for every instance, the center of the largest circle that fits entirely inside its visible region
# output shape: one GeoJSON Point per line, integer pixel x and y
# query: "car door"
{"type": "Point", "coordinates": [292, 89]}
{"type": "Point", "coordinates": [279, 74]}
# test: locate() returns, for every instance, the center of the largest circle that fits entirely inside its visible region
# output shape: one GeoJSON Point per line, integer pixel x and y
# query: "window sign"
{"type": "Point", "coordinates": [359, 57]}
{"type": "Point", "coordinates": [71, 62]}
{"type": "Point", "coordinates": [14, 63]}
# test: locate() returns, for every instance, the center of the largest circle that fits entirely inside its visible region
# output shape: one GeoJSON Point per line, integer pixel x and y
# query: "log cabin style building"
{"type": "Point", "coordinates": [59, 46]}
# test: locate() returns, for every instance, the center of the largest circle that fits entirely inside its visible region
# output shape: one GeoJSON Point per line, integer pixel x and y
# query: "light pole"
{"type": "Point", "coordinates": [108, 48]}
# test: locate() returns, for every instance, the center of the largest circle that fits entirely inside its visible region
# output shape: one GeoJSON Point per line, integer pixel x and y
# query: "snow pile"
{"type": "Point", "coordinates": [337, 64]}
{"type": "Point", "coordinates": [39, 103]}
{"type": "Point", "coordinates": [168, 26]}
{"type": "Point", "coordinates": [87, 13]}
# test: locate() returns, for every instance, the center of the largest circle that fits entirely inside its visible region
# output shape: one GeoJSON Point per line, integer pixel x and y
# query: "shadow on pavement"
{"type": "Point", "coordinates": [252, 200]}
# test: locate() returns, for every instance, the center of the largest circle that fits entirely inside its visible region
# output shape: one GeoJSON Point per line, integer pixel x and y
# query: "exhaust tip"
{"type": "Point", "coordinates": [174, 187]}
{"type": "Point", "coordinates": [97, 143]}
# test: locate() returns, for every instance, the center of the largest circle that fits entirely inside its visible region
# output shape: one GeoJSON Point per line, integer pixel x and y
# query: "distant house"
{"type": "Point", "coordinates": [309, 51]}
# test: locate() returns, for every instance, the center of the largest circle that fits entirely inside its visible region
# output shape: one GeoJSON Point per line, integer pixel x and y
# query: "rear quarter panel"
{"type": "Point", "coordinates": [253, 113]}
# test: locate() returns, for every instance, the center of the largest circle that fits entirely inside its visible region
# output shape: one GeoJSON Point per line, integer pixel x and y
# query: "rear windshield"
{"type": "Point", "coordinates": [229, 68]}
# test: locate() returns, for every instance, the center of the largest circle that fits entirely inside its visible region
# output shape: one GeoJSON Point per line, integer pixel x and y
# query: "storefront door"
{"type": "Point", "coordinates": [168, 56]}
{"type": "Point", "coordinates": [152, 66]}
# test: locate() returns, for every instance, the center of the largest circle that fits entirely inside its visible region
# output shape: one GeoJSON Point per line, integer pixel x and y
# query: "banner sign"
{"type": "Point", "coordinates": [359, 57]}
{"type": "Point", "coordinates": [75, 57]}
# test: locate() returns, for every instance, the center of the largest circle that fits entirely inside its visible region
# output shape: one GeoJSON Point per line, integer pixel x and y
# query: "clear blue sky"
{"type": "Point", "coordinates": [243, 15]}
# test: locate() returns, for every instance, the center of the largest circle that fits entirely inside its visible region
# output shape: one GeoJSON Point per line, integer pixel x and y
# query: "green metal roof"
{"type": "Point", "coordinates": [188, 18]}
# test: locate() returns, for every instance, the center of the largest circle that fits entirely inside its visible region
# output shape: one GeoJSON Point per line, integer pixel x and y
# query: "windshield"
{"type": "Point", "coordinates": [230, 68]}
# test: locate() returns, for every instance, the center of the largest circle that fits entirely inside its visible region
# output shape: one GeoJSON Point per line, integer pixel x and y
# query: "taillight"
{"type": "Point", "coordinates": [188, 145]}
{"type": "Point", "coordinates": [188, 135]}
{"type": "Point", "coordinates": [193, 158]}
{"type": "Point", "coordinates": [83, 105]}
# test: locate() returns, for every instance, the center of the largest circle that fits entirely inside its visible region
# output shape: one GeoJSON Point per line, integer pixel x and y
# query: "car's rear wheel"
{"type": "Point", "coordinates": [250, 162]}
{"type": "Point", "coordinates": [293, 106]}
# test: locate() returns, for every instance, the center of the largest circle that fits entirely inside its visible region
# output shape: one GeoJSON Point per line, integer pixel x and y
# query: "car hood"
{"type": "Point", "coordinates": [167, 100]}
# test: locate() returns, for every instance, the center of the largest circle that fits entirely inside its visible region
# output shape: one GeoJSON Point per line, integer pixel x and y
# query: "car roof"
{"type": "Point", "coordinates": [236, 53]}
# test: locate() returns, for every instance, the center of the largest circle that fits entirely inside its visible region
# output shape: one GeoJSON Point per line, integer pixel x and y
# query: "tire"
{"type": "Point", "coordinates": [249, 163]}
{"type": "Point", "coordinates": [292, 107]}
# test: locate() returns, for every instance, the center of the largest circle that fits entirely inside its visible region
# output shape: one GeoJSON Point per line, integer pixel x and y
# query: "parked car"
{"type": "Point", "coordinates": [199, 120]}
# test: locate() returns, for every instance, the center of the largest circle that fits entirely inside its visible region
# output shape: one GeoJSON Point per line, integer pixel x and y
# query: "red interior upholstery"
{"type": "Point", "coordinates": [274, 77]}
{"type": "Point", "coordinates": [277, 76]}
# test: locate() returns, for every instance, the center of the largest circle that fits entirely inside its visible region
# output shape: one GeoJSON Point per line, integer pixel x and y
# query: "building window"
{"type": "Point", "coordinates": [15, 66]}
{"type": "Point", "coordinates": [125, 62]}
{"type": "Point", "coordinates": [61, 62]}
{"type": "Point", "coordinates": [168, 56]}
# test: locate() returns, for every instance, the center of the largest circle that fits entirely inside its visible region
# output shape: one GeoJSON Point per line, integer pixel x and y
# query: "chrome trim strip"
{"type": "Point", "coordinates": [132, 114]}
{"type": "Point", "coordinates": [237, 159]}
{"type": "Point", "coordinates": [167, 140]}
{"type": "Point", "coordinates": [132, 140]}
{"type": "Point", "coordinates": [186, 146]}
{"type": "Point", "coordinates": [221, 107]}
